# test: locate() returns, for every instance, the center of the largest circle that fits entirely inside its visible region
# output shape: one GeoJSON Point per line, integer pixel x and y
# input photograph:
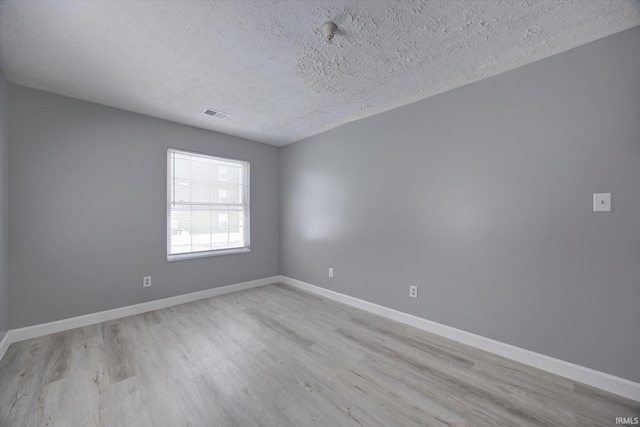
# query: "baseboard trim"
{"type": "Point", "coordinates": [4, 344]}
{"type": "Point", "coordinates": [601, 380]}
{"type": "Point", "coordinates": [34, 331]}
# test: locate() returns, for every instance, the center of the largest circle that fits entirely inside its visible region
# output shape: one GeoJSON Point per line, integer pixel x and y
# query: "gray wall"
{"type": "Point", "coordinates": [88, 208]}
{"type": "Point", "coordinates": [4, 209]}
{"type": "Point", "coordinates": [482, 197]}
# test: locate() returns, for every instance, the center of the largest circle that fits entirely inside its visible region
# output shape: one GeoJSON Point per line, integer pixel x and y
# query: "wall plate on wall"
{"type": "Point", "coordinates": [602, 202]}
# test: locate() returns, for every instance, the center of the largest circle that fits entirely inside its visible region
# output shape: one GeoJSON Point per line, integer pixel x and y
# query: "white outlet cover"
{"type": "Point", "coordinates": [602, 202]}
{"type": "Point", "coordinates": [413, 291]}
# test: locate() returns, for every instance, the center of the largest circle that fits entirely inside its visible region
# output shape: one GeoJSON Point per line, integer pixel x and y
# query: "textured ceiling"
{"type": "Point", "coordinates": [266, 62]}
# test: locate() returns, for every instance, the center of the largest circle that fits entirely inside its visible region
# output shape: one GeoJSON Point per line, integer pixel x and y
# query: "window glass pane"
{"type": "Point", "coordinates": [223, 221]}
{"type": "Point", "coordinates": [234, 193]}
{"type": "Point", "coordinates": [182, 190]}
{"type": "Point", "coordinates": [236, 227]}
{"type": "Point", "coordinates": [200, 181]}
{"type": "Point", "coordinates": [200, 228]}
{"type": "Point", "coordinates": [182, 167]}
{"type": "Point", "coordinates": [219, 233]}
{"type": "Point", "coordinates": [222, 173]}
{"type": "Point", "coordinates": [235, 173]}
{"type": "Point", "coordinates": [180, 229]}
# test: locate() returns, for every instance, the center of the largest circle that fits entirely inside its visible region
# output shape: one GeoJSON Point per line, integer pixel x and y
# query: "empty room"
{"type": "Point", "coordinates": [319, 213]}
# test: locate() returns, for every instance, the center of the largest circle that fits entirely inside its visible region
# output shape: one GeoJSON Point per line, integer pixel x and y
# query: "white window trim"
{"type": "Point", "coordinates": [207, 254]}
{"type": "Point", "coordinates": [247, 217]}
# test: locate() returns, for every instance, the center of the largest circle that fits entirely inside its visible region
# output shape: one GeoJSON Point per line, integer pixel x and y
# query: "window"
{"type": "Point", "coordinates": [223, 221]}
{"type": "Point", "coordinates": [222, 173]}
{"type": "Point", "coordinates": [207, 210]}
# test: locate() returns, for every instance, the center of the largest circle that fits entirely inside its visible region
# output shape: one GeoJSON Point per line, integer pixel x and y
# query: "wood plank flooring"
{"type": "Point", "coordinates": [277, 356]}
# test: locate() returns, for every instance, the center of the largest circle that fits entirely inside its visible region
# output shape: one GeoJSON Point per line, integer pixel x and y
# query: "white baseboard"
{"type": "Point", "coordinates": [4, 344]}
{"type": "Point", "coordinates": [29, 332]}
{"type": "Point", "coordinates": [601, 380]}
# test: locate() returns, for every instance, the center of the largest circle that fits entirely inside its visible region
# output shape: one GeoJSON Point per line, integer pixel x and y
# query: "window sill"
{"type": "Point", "coordinates": [193, 255]}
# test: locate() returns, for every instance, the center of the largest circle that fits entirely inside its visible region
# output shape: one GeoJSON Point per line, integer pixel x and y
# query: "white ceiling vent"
{"type": "Point", "coordinates": [216, 114]}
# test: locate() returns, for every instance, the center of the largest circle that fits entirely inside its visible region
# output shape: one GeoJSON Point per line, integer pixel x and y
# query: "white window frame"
{"type": "Point", "coordinates": [245, 197]}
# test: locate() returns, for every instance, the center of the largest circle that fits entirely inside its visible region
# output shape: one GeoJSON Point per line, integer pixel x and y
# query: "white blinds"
{"type": "Point", "coordinates": [207, 203]}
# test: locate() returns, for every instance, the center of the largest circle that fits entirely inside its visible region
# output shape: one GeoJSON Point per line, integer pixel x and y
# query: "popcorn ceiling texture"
{"type": "Point", "coordinates": [266, 62]}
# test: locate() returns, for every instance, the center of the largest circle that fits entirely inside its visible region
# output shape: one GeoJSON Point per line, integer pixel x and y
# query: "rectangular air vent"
{"type": "Point", "coordinates": [216, 114]}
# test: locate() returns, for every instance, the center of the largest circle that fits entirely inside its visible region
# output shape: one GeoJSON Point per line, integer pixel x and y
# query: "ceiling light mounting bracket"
{"type": "Point", "coordinates": [329, 29]}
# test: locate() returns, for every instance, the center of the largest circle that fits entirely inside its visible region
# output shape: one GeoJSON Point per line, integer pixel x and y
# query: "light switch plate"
{"type": "Point", "coordinates": [602, 202]}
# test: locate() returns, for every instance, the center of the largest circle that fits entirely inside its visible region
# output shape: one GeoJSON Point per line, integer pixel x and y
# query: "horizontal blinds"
{"type": "Point", "coordinates": [207, 203]}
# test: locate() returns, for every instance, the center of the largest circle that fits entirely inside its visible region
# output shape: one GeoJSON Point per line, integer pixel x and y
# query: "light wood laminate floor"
{"type": "Point", "coordinates": [277, 356]}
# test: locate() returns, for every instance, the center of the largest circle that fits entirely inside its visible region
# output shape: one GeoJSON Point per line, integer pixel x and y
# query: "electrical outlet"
{"type": "Point", "coordinates": [602, 202]}
{"type": "Point", "coordinates": [413, 291]}
{"type": "Point", "coordinates": [330, 272]}
{"type": "Point", "coordinates": [146, 281]}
